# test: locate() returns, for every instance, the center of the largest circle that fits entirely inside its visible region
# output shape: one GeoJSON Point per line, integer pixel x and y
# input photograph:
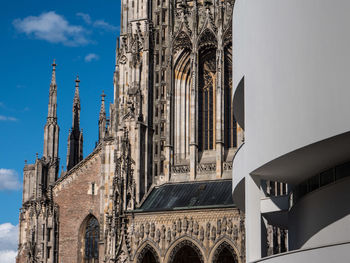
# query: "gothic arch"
{"type": "Point", "coordinates": [181, 41]}
{"type": "Point", "coordinates": [230, 123]}
{"type": "Point", "coordinates": [143, 251]}
{"type": "Point", "coordinates": [207, 38]}
{"type": "Point", "coordinates": [220, 246]}
{"type": "Point", "coordinates": [207, 75]}
{"type": "Point", "coordinates": [182, 85]}
{"type": "Point", "coordinates": [179, 244]}
{"type": "Point", "coordinates": [88, 240]}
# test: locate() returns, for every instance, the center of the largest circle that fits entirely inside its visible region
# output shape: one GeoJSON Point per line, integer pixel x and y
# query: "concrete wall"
{"type": "Point", "coordinates": [294, 56]}
{"type": "Point", "coordinates": [334, 253]}
{"type": "Point", "coordinates": [321, 217]}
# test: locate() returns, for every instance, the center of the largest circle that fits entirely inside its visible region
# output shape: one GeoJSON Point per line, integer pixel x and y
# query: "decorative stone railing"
{"type": "Point", "coordinates": [180, 169]}
{"type": "Point", "coordinates": [206, 167]}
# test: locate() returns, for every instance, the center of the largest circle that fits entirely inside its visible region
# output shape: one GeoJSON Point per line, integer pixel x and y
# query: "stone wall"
{"type": "Point", "coordinates": [204, 229]}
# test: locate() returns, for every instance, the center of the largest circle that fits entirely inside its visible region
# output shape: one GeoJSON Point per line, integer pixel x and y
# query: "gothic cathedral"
{"type": "Point", "coordinates": [157, 186]}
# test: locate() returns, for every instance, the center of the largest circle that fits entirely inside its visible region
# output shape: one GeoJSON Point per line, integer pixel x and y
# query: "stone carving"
{"type": "Point", "coordinates": [224, 224]}
{"type": "Point", "coordinates": [190, 226]}
{"type": "Point", "coordinates": [174, 229]}
{"type": "Point", "coordinates": [153, 227]}
{"type": "Point", "coordinates": [178, 226]}
{"type": "Point", "coordinates": [142, 231]}
{"type": "Point", "coordinates": [123, 257]}
{"type": "Point", "coordinates": [147, 228]}
{"type": "Point", "coordinates": [218, 228]}
{"type": "Point", "coordinates": [229, 227]}
{"type": "Point", "coordinates": [158, 236]}
{"type": "Point", "coordinates": [163, 232]}
{"type": "Point", "coordinates": [207, 167]}
{"type": "Point", "coordinates": [201, 234]}
{"type": "Point", "coordinates": [195, 228]}
{"type": "Point", "coordinates": [169, 235]}
{"type": "Point", "coordinates": [213, 233]}
{"type": "Point", "coordinates": [181, 169]}
{"type": "Point", "coordinates": [184, 225]}
{"type": "Point", "coordinates": [227, 166]}
{"type": "Point", "coordinates": [235, 232]}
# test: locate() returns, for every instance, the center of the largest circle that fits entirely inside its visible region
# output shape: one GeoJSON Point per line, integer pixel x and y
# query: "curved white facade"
{"type": "Point", "coordinates": [295, 59]}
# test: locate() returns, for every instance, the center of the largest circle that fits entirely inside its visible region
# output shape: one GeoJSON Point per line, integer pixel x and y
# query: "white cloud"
{"type": "Point", "coordinates": [85, 17]}
{"type": "Point", "coordinates": [98, 23]}
{"type": "Point", "coordinates": [8, 242]}
{"type": "Point", "coordinates": [8, 256]}
{"type": "Point", "coordinates": [7, 118]}
{"type": "Point", "coordinates": [53, 28]}
{"type": "Point", "coordinates": [104, 25]}
{"type": "Point", "coordinates": [90, 57]}
{"type": "Point", "coordinates": [9, 181]}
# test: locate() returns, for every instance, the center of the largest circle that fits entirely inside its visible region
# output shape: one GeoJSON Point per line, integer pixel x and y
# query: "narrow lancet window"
{"type": "Point", "coordinates": [91, 240]}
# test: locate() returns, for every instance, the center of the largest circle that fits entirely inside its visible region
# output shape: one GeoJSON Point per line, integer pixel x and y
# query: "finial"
{"type": "Point", "coordinates": [77, 81]}
{"type": "Point", "coordinates": [103, 95]}
{"type": "Point", "coordinates": [53, 79]}
{"type": "Point", "coordinates": [36, 155]}
{"type": "Point", "coordinates": [25, 162]}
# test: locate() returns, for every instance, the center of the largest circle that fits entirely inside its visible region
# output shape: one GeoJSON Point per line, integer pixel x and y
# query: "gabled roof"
{"type": "Point", "coordinates": [189, 195]}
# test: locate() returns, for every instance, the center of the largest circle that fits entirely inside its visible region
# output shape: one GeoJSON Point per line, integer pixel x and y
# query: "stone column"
{"type": "Point", "coordinates": [219, 105]}
{"type": "Point", "coordinates": [194, 115]}
{"type": "Point", "coordinates": [168, 147]}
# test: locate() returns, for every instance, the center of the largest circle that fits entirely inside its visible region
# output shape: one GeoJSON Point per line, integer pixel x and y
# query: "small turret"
{"type": "Point", "coordinates": [102, 121]}
{"type": "Point", "coordinates": [75, 137]}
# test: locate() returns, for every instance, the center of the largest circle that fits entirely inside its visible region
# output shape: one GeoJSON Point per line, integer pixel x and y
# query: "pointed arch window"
{"type": "Point", "coordinates": [91, 240]}
{"type": "Point", "coordinates": [206, 112]}
{"type": "Point", "coordinates": [207, 99]}
{"type": "Point", "coordinates": [230, 123]}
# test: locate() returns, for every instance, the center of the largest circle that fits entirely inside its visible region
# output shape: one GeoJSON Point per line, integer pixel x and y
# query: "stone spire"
{"type": "Point", "coordinates": [102, 119]}
{"type": "Point", "coordinates": [76, 106]}
{"type": "Point", "coordinates": [51, 131]}
{"type": "Point", "coordinates": [75, 137]}
{"type": "Point", "coordinates": [52, 110]}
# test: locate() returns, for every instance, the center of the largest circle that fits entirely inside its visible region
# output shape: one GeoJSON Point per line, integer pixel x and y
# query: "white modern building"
{"type": "Point", "coordinates": [292, 97]}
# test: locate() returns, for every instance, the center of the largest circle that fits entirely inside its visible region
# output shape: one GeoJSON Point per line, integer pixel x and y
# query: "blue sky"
{"type": "Point", "coordinates": [81, 36]}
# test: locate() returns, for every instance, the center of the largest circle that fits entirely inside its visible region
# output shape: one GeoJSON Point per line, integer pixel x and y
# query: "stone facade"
{"type": "Point", "coordinates": [171, 122]}
{"type": "Point", "coordinates": [166, 233]}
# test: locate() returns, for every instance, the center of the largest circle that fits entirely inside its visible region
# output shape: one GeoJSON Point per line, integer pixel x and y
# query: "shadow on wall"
{"type": "Point", "coordinates": [321, 217]}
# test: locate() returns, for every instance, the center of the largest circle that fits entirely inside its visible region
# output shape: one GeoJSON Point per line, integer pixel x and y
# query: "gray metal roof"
{"type": "Point", "coordinates": [190, 195]}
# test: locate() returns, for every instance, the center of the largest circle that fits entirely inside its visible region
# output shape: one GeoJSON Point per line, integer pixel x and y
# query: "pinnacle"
{"type": "Point", "coordinates": [103, 95]}
{"type": "Point", "coordinates": [77, 80]}
{"type": "Point", "coordinates": [53, 79]}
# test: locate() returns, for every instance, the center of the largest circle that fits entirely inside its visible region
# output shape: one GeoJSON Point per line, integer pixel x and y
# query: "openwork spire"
{"type": "Point", "coordinates": [102, 120]}
{"type": "Point", "coordinates": [76, 94]}
{"type": "Point", "coordinates": [53, 78]}
{"type": "Point", "coordinates": [52, 107]}
{"type": "Point", "coordinates": [103, 107]}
